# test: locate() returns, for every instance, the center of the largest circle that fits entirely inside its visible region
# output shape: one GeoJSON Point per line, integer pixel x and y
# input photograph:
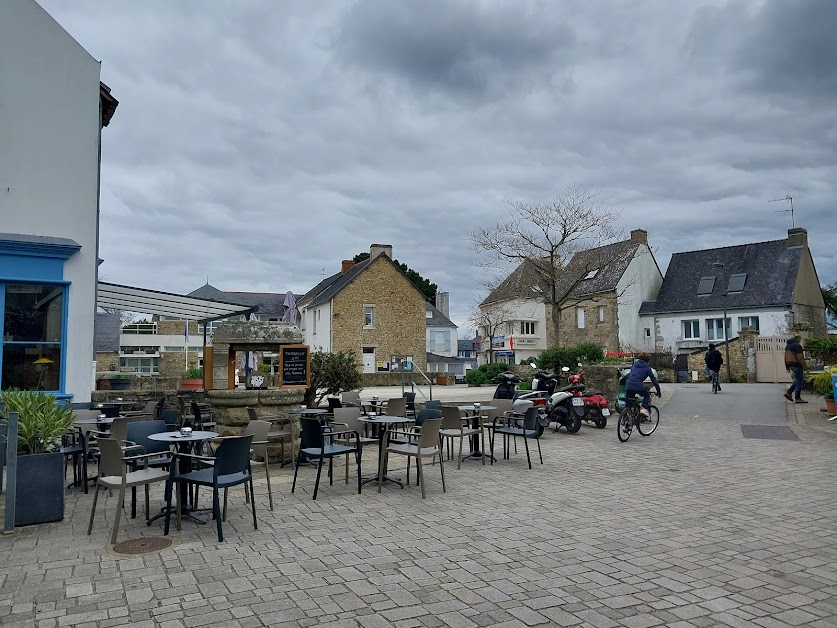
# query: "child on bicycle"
{"type": "Point", "coordinates": [635, 384]}
{"type": "Point", "coordinates": [713, 360]}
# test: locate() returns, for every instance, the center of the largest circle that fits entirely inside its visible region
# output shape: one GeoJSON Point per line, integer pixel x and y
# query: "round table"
{"type": "Point", "coordinates": [184, 466]}
{"type": "Point", "coordinates": [304, 411]}
{"type": "Point", "coordinates": [386, 421]}
{"type": "Point", "coordinates": [475, 440]}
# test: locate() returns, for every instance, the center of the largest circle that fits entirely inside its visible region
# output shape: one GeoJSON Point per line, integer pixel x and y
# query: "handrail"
{"type": "Point", "coordinates": [426, 378]}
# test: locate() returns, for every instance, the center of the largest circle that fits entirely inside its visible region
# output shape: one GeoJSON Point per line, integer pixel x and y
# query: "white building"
{"type": "Point", "coordinates": [769, 286]}
{"type": "Point", "coordinates": [52, 110]}
{"type": "Point", "coordinates": [442, 338]}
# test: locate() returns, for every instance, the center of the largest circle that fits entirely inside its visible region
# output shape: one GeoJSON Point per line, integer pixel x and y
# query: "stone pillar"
{"type": "Point", "coordinates": [748, 348]}
{"type": "Point", "coordinates": [220, 351]}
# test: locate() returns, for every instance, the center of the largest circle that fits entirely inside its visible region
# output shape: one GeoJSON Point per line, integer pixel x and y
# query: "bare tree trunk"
{"type": "Point", "coordinates": [556, 325]}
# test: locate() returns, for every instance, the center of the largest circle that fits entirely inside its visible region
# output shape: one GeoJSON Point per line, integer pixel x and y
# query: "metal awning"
{"type": "Point", "coordinates": [112, 296]}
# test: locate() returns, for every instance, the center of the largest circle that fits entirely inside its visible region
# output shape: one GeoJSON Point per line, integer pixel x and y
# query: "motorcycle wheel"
{"type": "Point", "coordinates": [573, 424]}
{"type": "Point", "coordinates": [601, 422]}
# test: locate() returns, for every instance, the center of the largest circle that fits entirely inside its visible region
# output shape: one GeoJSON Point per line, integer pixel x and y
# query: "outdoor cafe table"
{"type": "Point", "coordinates": [383, 438]}
{"type": "Point", "coordinates": [184, 443]}
{"type": "Point", "coordinates": [474, 413]}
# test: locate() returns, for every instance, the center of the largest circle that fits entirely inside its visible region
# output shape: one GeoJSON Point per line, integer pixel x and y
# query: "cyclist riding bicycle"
{"type": "Point", "coordinates": [635, 384]}
{"type": "Point", "coordinates": [713, 360]}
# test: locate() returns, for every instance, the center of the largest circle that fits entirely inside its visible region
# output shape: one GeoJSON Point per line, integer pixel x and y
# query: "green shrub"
{"type": "Point", "coordinates": [263, 368]}
{"type": "Point", "coordinates": [476, 377]}
{"type": "Point", "coordinates": [554, 358]}
{"type": "Point", "coordinates": [493, 370]}
{"type": "Point", "coordinates": [194, 372]}
{"type": "Point", "coordinates": [42, 420]}
{"type": "Point", "coordinates": [524, 384]}
{"type": "Point", "coordinates": [822, 383]}
{"type": "Point", "coordinates": [589, 353]}
{"type": "Point", "coordinates": [332, 373]}
{"type": "Point", "coordinates": [824, 349]}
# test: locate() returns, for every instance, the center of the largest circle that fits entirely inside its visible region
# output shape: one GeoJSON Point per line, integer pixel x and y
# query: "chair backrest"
{"type": "Point", "coordinates": [139, 432]}
{"type": "Point", "coordinates": [202, 412]}
{"type": "Point", "coordinates": [429, 436]}
{"type": "Point", "coordinates": [110, 457]}
{"type": "Point", "coordinates": [410, 398]}
{"type": "Point", "coordinates": [110, 412]}
{"type": "Point", "coordinates": [350, 396]}
{"type": "Point", "coordinates": [259, 431]}
{"type": "Point", "coordinates": [169, 416]}
{"type": "Point", "coordinates": [427, 413]}
{"type": "Point", "coordinates": [233, 455]}
{"type": "Point", "coordinates": [502, 405]}
{"type": "Point", "coordinates": [530, 419]}
{"type": "Point", "coordinates": [150, 407]}
{"type": "Point", "coordinates": [397, 406]}
{"type": "Point", "coordinates": [334, 402]}
{"type": "Point", "coordinates": [158, 407]}
{"type": "Point", "coordinates": [348, 416]}
{"type": "Point", "coordinates": [251, 414]}
{"type": "Point", "coordinates": [435, 404]}
{"type": "Point", "coordinates": [119, 429]}
{"type": "Point", "coordinates": [312, 432]}
{"type": "Point", "coordinates": [451, 418]}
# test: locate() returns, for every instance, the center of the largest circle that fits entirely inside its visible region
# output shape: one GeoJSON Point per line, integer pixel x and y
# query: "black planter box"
{"type": "Point", "coordinates": [120, 384]}
{"type": "Point", "coordinates": [40, 489]}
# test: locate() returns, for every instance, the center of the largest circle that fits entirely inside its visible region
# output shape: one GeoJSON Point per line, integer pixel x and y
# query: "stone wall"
{"type": "Point", "coordinates": [175, 328]}
{"type": "Point", "coordinates": [740, 349]}
{"type": "Point", "coordinates": [604, 334]}
{"type": "Point", "coordinates": [399, 319]}
{"type": "Point", "coordinates": [104, 360]}
{"type": "Point", "coordinates": [173, 365]}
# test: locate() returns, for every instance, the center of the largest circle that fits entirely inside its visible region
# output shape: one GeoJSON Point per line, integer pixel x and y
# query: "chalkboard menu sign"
{"type": "Point", "coordinates": [294, 366]}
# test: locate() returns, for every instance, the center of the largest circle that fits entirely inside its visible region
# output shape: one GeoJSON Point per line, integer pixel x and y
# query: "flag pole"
{"type": "Point", "coordinates": [186, 342]}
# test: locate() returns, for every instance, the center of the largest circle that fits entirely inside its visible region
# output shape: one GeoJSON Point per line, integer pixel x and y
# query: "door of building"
{"type": "Point", "coordinates": [369, 359]}
{"type": "Point", "coordinates": [770, 359]}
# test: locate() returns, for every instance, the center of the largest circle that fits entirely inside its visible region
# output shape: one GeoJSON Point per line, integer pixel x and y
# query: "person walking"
{"type": "Point", "coordinates": [795, 363]}
{"type": "Point", "coordinates": [714, 361]}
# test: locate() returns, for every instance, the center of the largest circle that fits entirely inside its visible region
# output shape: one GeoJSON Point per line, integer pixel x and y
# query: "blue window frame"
{"type": "Point", "coordinates": [33, 319]}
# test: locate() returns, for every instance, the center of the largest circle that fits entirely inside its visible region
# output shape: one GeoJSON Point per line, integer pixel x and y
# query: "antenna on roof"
{"type": "Point", "coordinates": [787, 198]}
{"type": "Point", "coordinates": [322, 273]}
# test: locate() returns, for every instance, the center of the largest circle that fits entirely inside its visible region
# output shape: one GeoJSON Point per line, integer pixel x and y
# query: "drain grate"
{"type": "Point", "coordinates": [768, 432]}
{"type": "Point", "coordinates": [142, 546]}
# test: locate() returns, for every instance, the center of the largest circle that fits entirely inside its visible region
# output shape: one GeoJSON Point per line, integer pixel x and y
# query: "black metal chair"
{"type": "Point", "coordinates": [334, 402]}
{"type": "Point", "coordinates": [411, 403]}
{"type": "Point", "coordinates": [230, 467]}
{"type": "Point", "coordinates": [319, 445]}
{"type": "Point", "coordinates": [513, 427]}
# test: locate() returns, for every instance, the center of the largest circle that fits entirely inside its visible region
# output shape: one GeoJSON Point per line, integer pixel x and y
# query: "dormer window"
{"type": "Point", "coordinates": [591, 274]}
{"type": "Point", "coordinates": [736, 282]}
{"type": "Point", "coordinates": [706, 285]}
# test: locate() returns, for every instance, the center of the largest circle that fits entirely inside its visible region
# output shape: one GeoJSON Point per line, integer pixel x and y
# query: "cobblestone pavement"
{"type": "Point", "coordinates": [692, 526]}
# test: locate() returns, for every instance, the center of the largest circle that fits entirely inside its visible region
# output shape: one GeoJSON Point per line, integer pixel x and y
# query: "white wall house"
{"type": "Point", "coordinates": [641, 282]}
{"type": "Point", "coordinates": [316, 326]}
{"type": "Point", "coordinates": [442, 338]}
{"type": "Point", "coordinates": [52, 108]}
{"type": "Point", "coordinates": [770, 286]}
{"type": "Point", "coordinates": [522, 336]}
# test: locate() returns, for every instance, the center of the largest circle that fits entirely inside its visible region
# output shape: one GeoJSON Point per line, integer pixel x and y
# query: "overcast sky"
{"type": "Point", "coordinates": [260, 142]}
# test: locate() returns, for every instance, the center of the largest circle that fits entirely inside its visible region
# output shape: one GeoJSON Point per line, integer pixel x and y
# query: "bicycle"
{"type": "Point", "coordinates": [631, 416]}
{"type": "Point", "coordinates": [716, 381]}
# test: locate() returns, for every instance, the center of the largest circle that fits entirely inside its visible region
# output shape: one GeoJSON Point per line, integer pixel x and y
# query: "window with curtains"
{"type": "Point", "coordinates": [33, 336]}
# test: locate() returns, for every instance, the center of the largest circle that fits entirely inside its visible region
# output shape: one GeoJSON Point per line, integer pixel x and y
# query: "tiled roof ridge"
{"type": "Point", "coordinates": [730, 246]}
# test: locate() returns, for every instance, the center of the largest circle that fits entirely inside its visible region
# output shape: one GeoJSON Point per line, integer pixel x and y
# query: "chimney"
{"type": "Point", "coordinates": [443, 303]}
{"type": "Point", "coordinates": [346, 265]}
{"type": "Point", "coordinates": [640, 236]}
{"type": "Point", "coordinates": [797, 237]}
{"type": "Point", "coordinates": [376, 249]}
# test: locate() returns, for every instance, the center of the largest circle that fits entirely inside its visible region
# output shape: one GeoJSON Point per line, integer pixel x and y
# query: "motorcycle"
{"type": "Point", "coordinates": [566, 408]}
{"type": "Point", "coordinates": [594, 400]}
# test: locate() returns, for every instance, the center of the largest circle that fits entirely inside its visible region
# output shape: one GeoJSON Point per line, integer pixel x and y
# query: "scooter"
{"type": "Point", "coordinates": [595, 400]}
{"type": "Point", "coordinates": [567, 409]}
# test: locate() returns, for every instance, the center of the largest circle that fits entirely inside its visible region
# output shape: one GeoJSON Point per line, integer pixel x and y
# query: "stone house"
{"type": "Point", "coordinates": [606, 286]}
{"type": "Point", "coordinates": [771, 287]}
{"type": "Point", "coordinates": [371, 308]}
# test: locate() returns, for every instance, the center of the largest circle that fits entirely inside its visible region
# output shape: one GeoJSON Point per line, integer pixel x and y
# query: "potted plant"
{"type": "Point", "coordinates": [120, 382]}
{"type": "Point", "coordinates": [192, 379]}
{"type": "Point", "coordinates": [829, 403]}
{"type": "Point", "coordinates": [822, 386]}
{"type": "Point", "coordinates": [42, 421]}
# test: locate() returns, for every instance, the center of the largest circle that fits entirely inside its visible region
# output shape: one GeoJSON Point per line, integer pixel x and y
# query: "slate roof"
{"type": "Point", "coordinates": [433, 358]}
{"type": "Point", "coordinates": [106, 332]}
{"type": "Point", "coordinates": [438, 319]}
{"type": "Point", "coordinates": [772, 268]}
{"type": "Point", "coordinates": [611, 260]}
{"type": "Point", "coordinates": [329, 287]}
{"type": "Point", "coordinates": [270, 304]}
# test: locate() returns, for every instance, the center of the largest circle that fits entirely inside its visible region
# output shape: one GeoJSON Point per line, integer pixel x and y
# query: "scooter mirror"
{"type": "Point", "coordinates": [565, 369]}
{"type": "Point", "coordinates": [579, 363]}
{"type": "Point", "coordinates": [533, 365]}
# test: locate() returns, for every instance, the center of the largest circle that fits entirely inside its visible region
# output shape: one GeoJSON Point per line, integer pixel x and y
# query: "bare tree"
{"type": "Point", "coordinates": [488, 321]}
{"type": "Point", "coordinates": [547, 236]}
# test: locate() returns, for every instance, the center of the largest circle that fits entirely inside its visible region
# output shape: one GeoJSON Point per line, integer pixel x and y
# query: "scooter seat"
{"type": "Point", "coordinates": [591, 393]}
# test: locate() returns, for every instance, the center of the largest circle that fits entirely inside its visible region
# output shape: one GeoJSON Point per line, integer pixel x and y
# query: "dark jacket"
{"type": "Point", "coordinates": [794, 355]}
{"type": "Point", "coordinates": [714, 360]}
{"type": "Point", "coordinates": [639, 372]}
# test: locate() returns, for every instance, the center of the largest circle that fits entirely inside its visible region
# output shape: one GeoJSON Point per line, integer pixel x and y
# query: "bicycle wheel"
{"type": "Point", "coordinates": [647, 424]}
{"type": "Point", "coordinates": [625, 425]}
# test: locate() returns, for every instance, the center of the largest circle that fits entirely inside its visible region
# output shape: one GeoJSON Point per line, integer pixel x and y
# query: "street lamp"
{"type": "Point", "coordinates": [720, 267]}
